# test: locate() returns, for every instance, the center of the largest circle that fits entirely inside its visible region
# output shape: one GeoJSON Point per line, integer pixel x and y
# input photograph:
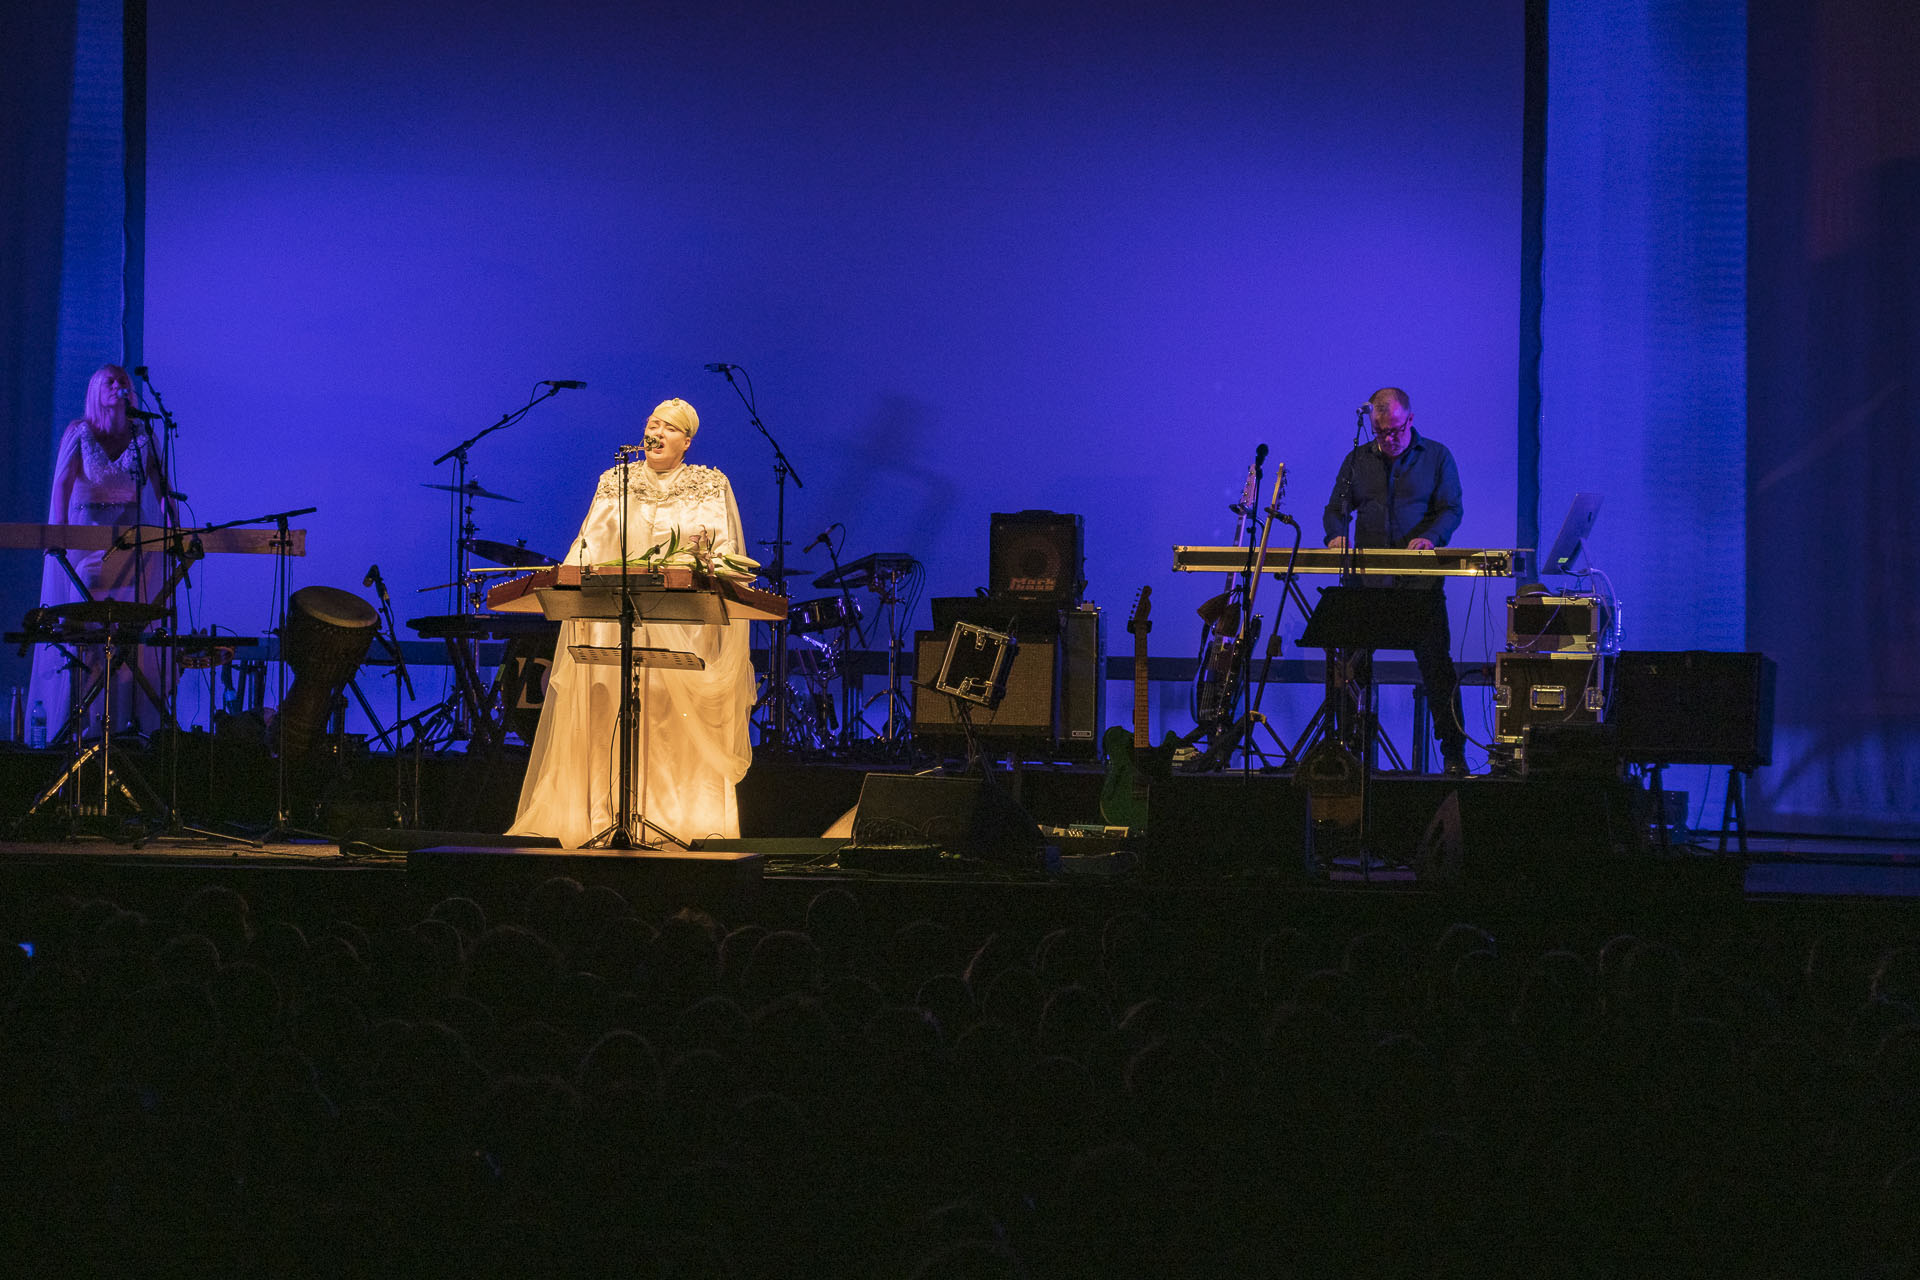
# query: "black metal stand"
{"type": "Point", "coordinates": [1368, 619]}
{"type": "Point", "coordinates": [110, 780]}
{"type": "Point", "coordinates": [282, 828]}
{"type": "Point", "coordinates": [782, 472]}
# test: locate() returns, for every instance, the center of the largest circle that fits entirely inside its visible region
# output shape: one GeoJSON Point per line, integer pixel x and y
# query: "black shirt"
{"type": "Point", "coordinates": [1416, 495]}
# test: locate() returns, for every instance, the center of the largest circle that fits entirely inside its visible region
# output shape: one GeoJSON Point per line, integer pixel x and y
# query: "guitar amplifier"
{"type": "Point", "coordinates": [1055, 688]}
{"type": "Point", "coordinates": [1037, 555]}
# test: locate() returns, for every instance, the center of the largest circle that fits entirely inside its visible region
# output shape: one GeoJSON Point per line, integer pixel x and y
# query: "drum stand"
{"type": "Point", "coordinates": [282, 828]}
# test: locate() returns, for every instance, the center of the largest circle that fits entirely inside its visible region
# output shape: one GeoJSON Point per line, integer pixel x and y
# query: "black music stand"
{"type": "Point", "coordinates": [632, 599]}
{"type": "Point", "coordinates": [1369, 618]}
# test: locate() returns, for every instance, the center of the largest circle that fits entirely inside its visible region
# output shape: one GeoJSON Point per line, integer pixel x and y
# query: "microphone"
{"type": "Point", "coordinates": [722, 367]}
{"type": "Point", "coordinates": [1260, 457]}
{"type": "Point", "coordinates": [373, 579]}
{"type": "Point", "coordinates": [563, 384]}
{"type": "Point", "coordinates": [825, 534]}
{"type": "Point", "coordinates": [1365, 410]}
{"type": "Point", "coordinates": [140, 372]}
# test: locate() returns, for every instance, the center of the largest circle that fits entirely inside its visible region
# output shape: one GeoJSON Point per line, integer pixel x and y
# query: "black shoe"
{"type": "Point", "coordinates": [1455, 762]}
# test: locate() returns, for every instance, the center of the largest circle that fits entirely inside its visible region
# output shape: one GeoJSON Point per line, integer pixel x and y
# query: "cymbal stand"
{"type": "Point", "coordinates": [849, 714]}
{"type": "Point", "coordinates": [782, 472]}
{"type": "Point", "coordinates": [885, 582]}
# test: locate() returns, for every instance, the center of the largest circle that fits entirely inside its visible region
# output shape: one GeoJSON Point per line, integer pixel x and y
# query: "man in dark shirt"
{"type": "Point", "coordinates": [1403, 490]}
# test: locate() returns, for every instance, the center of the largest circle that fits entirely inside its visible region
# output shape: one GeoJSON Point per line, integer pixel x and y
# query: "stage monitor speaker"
{"type": "Point", "coordinates": [1037, 555]}
{"type": "Point", "coordinates": [1056, 687]}
{"type": "Point", "coordinates": [970, 816]}
{"type": "Point", "coordinates": [1694, 707]}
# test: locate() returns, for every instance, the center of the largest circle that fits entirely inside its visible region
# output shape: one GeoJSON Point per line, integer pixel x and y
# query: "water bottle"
{"type": "Point", "coordinates": [17, 715]}
{"type": "Point", "coordinates": [37, 726]}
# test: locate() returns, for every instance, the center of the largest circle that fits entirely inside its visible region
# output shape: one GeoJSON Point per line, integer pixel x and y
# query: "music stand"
{"type": "Point", "coordinates": [631, 600]}
{"type": "Point", "coordinates": [1370, 618]}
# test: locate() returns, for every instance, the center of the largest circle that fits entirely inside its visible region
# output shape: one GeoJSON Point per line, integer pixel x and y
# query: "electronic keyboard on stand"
{"type": "Point", "coordinates": [1448, 562]}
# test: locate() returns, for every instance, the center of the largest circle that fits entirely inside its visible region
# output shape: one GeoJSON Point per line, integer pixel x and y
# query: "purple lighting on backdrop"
{"type": "Point", "coordinates": [1073, 259]}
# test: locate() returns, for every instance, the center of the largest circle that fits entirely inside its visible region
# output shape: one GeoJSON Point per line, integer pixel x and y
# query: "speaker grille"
{"type": "Point", "coordinates": [1026, 711]}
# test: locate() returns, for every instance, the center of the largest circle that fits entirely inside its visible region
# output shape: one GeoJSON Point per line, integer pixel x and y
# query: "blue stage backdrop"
{"type": "Point", "coordinates": [1079, 257]}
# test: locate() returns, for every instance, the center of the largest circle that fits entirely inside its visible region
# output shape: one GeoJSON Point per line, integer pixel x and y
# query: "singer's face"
{"type": "Point", "coordinates": [666, 444]}
{"type": "Point", "coordinates": [1392, 428]}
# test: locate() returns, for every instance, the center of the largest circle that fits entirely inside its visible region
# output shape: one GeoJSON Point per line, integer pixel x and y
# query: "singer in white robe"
{"type": "Point", "coordinates": [690, 746]}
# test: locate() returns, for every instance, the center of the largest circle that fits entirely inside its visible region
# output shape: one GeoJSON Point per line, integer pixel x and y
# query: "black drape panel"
{"type": "Point", "coordinates": [36, 79]}
{"type": "Point", "coordinates": [1833, 366]}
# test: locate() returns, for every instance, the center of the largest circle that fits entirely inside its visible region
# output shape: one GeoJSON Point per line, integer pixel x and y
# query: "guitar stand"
{"type": "Point", "coordinates": [1222, 743]}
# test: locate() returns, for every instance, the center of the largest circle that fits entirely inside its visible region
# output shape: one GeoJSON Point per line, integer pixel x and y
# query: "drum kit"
{"type": "Point", "coordinates": [822, 637]}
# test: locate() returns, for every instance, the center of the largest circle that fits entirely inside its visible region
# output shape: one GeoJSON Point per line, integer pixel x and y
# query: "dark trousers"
{"type": "Point", "coordinates": [1435, 656]}
{"type": "Point", "coordinates": [1433, 652]}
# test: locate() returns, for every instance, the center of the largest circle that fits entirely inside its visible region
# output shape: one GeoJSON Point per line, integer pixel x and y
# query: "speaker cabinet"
{"type": "Point", "coordinates": [1083, 681]}
{"type": "Point", "coordinates": [1037, 555]}
{"type": "Point", "coordinates": [1025, 711]}
{"type": "Point", "coordinates": [1694, 707]}
{"type": "Point", "coordinates": [1056, 685]}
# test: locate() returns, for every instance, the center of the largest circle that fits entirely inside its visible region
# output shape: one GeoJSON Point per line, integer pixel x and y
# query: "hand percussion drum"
{"type": "Point", "coordinates": [323, 641]}
{"type": "Point", "coordinates": [825, 614]}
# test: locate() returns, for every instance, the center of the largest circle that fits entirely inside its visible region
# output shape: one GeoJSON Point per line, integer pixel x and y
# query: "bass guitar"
{"type": "Point", "coordinates": [1132, 764]}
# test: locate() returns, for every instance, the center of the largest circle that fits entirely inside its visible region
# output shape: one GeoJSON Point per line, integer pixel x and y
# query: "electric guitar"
{"type": "Point", "coordinates": [1220, 622]}
{"type": "Point", "coordinates": [1131, 763]}
{"type": "Point", "coordinates": [1220, 668]}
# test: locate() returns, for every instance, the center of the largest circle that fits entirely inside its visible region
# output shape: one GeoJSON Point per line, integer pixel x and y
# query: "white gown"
{"type": "Point", "coordinates": [691, 745]}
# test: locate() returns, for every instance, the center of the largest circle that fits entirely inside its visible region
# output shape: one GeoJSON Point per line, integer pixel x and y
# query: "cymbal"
{"type": "Point", "coordinates": [471, 489]}
{"type": "Point", "coordinates": [514, 553]}
{"type": "Point", "coordinates": [109, 613]}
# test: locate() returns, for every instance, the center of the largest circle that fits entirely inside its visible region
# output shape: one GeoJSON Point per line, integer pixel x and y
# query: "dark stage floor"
{"type": "Point", "coordinates": [1222, 842]}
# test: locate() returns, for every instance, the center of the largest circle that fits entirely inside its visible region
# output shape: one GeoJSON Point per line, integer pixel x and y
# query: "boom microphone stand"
{"type": "Point", "coordinates": [461, 533]}
{"type": "Point", "coordinates": [782, 472]}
